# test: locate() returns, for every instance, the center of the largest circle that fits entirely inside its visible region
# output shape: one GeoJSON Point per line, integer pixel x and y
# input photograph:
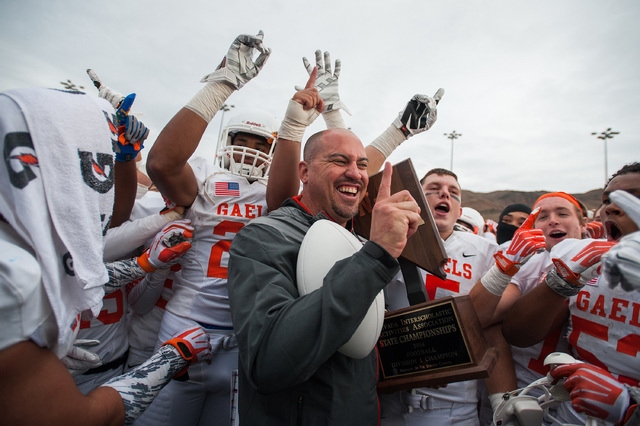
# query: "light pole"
{"type": "Point", "coordinates": [607, 134]}
{"type": "Point", "coordinates": [224, 108]}
{"type": "Point", "coordinates": [453, 135]}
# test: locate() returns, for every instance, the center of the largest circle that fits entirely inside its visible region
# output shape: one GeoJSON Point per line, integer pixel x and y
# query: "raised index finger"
{"type": "Point", "coordinates": [528, 224]}
{"type": "Point", "coordinates": [312, 79]}
{"type": "Point", "coordinates": [384, 191]}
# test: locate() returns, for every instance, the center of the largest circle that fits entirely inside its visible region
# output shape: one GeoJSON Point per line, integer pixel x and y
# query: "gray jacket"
{"type": "Point", "coordinates": [290, 372]}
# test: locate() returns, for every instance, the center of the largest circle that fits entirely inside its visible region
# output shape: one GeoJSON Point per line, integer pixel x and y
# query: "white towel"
{"type": "Point", "coordinates": [56, 191]}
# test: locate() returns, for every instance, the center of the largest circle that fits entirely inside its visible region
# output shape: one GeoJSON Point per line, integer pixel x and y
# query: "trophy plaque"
{"type": "Point", "coordinates": [432, 344]}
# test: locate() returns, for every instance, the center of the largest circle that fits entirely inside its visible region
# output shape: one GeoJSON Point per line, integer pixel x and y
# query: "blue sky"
{"type": "Point", "coordinates": [526, 82]}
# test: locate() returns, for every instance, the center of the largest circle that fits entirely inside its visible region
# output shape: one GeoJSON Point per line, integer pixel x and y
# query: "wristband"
{"type": "Point", "coordinates": [143, 261]}
{"type": "Point", "coordinates": [495, 281]}
{"type": "Point", "coordinates": [333, 119]}
{"type": "Point", "coordinates": [505, 265]}
{"type": "Point", "coordinates": [561, 286]}
{"type": "Point", "coordinates": [389, 140]}
{"type": "Point", "coordinates": [295, 122]}
{"type": "Point", "coordinates": [185, 349]}
{"type": "Point", "coordinates": [207, 102]}
{"type": "Point", "coordinates": [170, 215]}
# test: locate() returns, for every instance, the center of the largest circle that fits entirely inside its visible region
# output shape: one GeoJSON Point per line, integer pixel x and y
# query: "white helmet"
{"type": "Point", "coordinates": [248, 162]}
{"type": "Point", "coordinates": [472, 218]}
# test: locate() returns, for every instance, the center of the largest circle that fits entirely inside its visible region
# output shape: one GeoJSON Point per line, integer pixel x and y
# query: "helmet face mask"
{"type": "Point", "coordinates": [241, 157]}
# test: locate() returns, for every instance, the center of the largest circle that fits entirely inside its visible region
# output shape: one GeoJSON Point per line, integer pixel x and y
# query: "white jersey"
{"type": "Point", "coordinates": [225, 203]}
{"type": "Point", "coordinates": [25, 312]}
{"type": "Point", "coordinates": [528, 362]}
{"type": "Point", "coordinates": [470, 257]}
{"type": "Point", "coordinates": [604, 329]}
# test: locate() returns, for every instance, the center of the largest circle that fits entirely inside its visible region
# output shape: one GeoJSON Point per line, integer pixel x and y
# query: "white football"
{"type": "Point", "coordinates": [326, 243]}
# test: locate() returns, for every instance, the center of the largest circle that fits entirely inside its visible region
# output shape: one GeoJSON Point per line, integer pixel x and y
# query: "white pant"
{"type": "Point", "coordinates": [204, 399]}
{"type": "Point", "coordinates": [432, 411]}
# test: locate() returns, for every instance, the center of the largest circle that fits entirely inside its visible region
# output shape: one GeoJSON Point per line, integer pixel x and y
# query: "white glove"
{"type": "Point", "coordinates": [326, 83]}
{"type": "Point", "coordinates": [621, 264]}
{"type": "Point", "coordinates": [239, 67]}
{"type": "Point", "coordinates": [419, 114]}
{"type": "Point", "coordinates": [576, 263]}
{"type": "Point", "coordinates": [79, 359]}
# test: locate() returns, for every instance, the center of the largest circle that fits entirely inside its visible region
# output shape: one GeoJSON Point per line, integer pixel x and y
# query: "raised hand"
{"type": "Point", "coordinates": [578, 261]}
{"type": "Point", "coordinates": [239, 67]}
{"type": "Point", "coordinates": [309, 96]}
{"type": "Point", "coordinates": [168, 246]}
{"type": "Point", "coordinates": [419, 114]}
{"type": "Point", "coordinates": [131, 137]}
{"type": "Point", "coordinates": [594, 391]}
{"type": "Point", "coordinates": [326, 83]}
{"type": "Point", "coordinates": [621, 264]}
{"type": "Point", "coordinates": [525, 243]}
{"type": "Point", "coordinates": [303, 109]}
{"type": "Point", "coordinates": [395, 217]}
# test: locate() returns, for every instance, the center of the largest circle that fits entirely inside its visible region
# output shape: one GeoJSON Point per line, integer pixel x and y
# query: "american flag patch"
{"type": "Point", "coordinates": [228, 188]}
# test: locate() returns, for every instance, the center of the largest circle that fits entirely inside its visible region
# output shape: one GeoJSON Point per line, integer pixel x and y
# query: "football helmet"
{"type": "Point", "coordinates": [521, 408]}
{"type": "Point", "coordinates": [472, 218]}
{"type": "Point", "coordinates": [241, 160]}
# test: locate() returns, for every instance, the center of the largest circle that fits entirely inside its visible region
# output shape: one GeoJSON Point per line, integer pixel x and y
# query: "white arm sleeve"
{"type": "Point", "coordinates": [124, 239]}
{"type": "Point", "coordinates": [144, 295]}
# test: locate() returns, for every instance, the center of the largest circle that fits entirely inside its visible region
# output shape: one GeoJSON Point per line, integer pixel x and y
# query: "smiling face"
{"type": "Point", "coordinates": [616, 222]}
{"type": "Point", "coordinates": [558, 220]}
{"type": "Point", "coordinates": [443, 195]}
{"type": "Point", "coordinates": [334, 177]}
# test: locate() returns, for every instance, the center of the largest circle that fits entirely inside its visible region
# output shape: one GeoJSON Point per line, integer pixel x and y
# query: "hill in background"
{"type": "Point", "coordinates": [491, 204]}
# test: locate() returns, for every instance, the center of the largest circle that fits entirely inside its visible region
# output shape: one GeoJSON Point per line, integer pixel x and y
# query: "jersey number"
{"type": "Point", "coordinates": [433, 283]}
{"type": "Point", "coordinates": [215, 269]}
{"type": "Point", "coordinates": [106, 317]}
{"type": "Point", "coordinates": [629, 344]}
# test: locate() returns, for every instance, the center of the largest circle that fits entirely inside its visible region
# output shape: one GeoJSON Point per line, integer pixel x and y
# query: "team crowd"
{"type": "Point", "coordinates": [169, 292]}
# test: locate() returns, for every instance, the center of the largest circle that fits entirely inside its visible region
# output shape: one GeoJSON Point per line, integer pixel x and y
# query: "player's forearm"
{"type": "Point", "coordinates": [145, 294]}
{"type": "Point", "coordinates": [484, 302]}
{"type": "Point", "coordinates": [139, 387]}
{"type": "Point", "coordinates": [167, 161]}
{"type": "Point", "coordinates": [534, 316]}
{"type": "Point", "coordinates": [283, 176]}
{"type": "Point", "coordinates": [125, 173]}
{"type": "Point", "coordinates": [122, 272]}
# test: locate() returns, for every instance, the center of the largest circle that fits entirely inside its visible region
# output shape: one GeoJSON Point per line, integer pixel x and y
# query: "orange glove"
{"type": "Point", "coordinates": [169, 244]}
{"type": "Point", "coordinates": [595, 230]}
{"type": "Point", "coordinates": [594, 391]}
{"type": "Point", "coordinates": [526, 242]}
